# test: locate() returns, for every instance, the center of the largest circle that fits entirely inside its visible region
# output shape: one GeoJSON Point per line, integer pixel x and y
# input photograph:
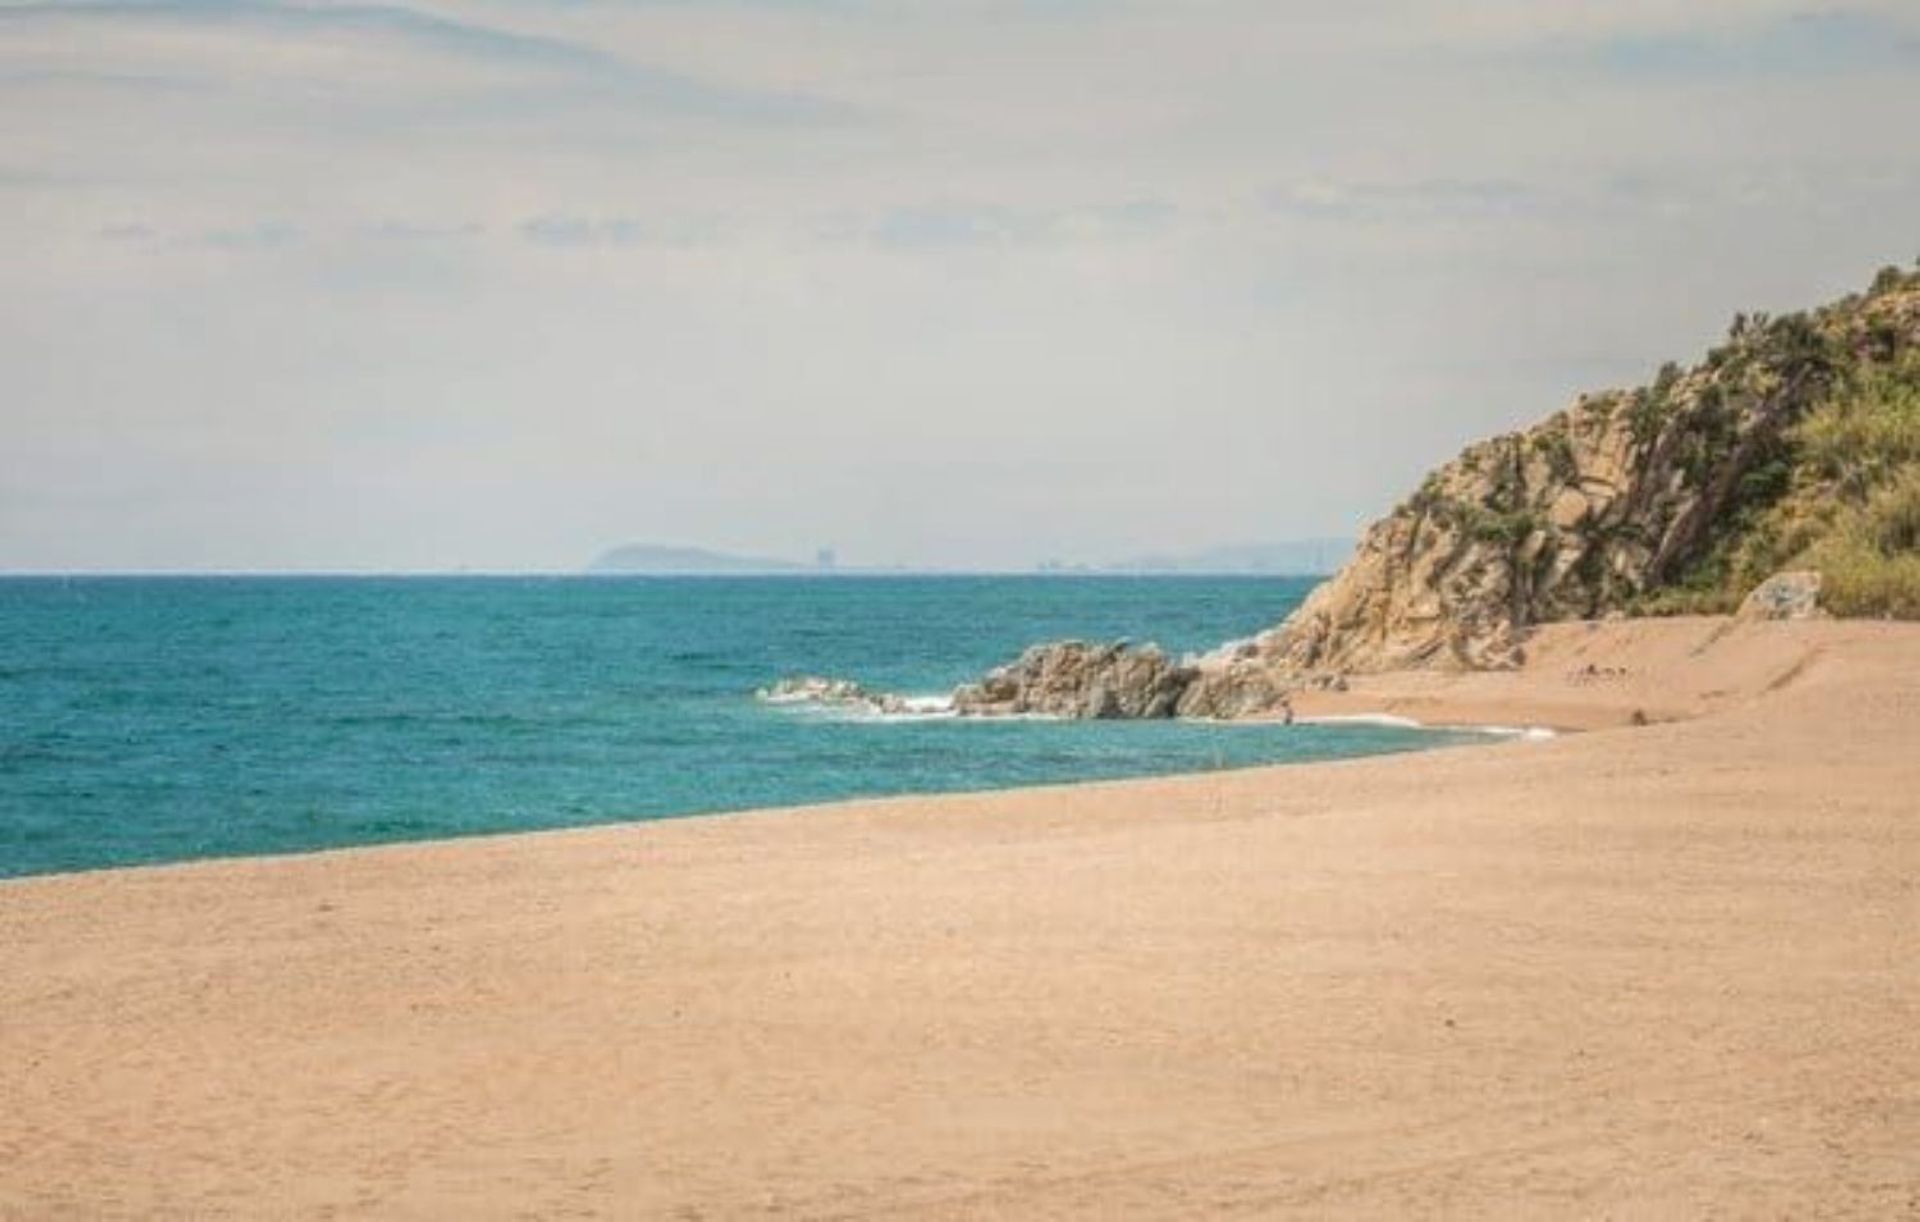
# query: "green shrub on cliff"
{"type": "Point", "coordinates": [1870, 558]}
{"type": "Point", "coordinates": [1826, 490]}
{"type": "Point", "coordinates": [1852, 509]}
{"type": "Point", "coordinates": [1865, 436]}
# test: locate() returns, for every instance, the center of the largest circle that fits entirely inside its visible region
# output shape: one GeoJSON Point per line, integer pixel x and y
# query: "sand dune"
{"type": "Point", "coordinates": [1659, 971]}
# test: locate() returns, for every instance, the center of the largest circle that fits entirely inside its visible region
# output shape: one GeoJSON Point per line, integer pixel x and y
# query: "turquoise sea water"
{"type": "Point", "coordinates": [160, 719]}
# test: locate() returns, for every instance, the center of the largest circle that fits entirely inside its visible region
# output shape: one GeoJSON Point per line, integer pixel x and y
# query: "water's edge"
{"type": "Point", "coordinates": [150, 720]}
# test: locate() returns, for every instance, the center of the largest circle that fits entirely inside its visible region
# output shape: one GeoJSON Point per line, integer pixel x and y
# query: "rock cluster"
{"type": "Point", "coordinates": [833, 693]}
{"type": "Point", "coordinates": [1080, 680]}
{"type": "Point", "coordinates": [1225, 687]}
{"type": "Point", "coordinates": [1076, 679]}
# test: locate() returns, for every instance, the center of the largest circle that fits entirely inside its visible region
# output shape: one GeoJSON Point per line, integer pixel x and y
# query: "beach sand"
{"type": "Point", "coordinates": [1590, 676]}
{"type": "Point", "coordinates": [1661, 971]}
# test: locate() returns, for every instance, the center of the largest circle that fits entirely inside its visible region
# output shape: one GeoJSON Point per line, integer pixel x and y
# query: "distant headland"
{"type": "Point", "coordinates": [1287, 558]}
{"type": "Point", "coordinates": [649, 559]}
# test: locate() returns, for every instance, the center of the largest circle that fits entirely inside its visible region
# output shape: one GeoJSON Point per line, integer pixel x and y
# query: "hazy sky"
{"type": "Point", "coordinates": [499, 283]}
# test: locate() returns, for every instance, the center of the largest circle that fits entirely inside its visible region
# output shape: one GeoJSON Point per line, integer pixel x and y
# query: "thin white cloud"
{"type": "Point", "coordinates": [272, 234]}
{"type": "Point", "coordinates": [1418, 200]}
{"type": "Point", "coordinates": [939, 226]}
{"type": "Point", "coordinates": [425, 231]}
{"type": "Point", "coordinates": [126, 231]}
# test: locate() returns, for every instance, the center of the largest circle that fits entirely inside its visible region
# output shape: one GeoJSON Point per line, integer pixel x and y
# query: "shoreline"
{"type": "Point", "coordinates": [1497, 732]}
{"type": "Point", "coordinates": [1408, 723]}
{"type": "Point", "coordinates": [1661, 972]}
{"type": "Point", "coordinates": [1500, 734]}
{"type": "Point", "coordinates": [1536, 706]}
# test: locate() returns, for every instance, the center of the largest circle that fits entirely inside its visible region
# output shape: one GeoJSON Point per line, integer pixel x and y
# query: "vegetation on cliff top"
{"type": "Point", "coordinates": [1837, 487]}
{"type": "Point", "coordinates": [1795, 444]}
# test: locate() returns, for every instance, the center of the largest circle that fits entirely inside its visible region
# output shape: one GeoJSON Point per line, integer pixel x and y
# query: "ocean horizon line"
{"type": "Point", "coordinates": [856, 573]}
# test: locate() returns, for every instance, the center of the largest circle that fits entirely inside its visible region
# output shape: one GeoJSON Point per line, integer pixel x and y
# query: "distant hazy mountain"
{"type": "Point", "coordinates": [1303, 557]}
{"type": "Point", "coordinates": [648, 558]}
{"type": "Point", "coordinates": [1297, 557]}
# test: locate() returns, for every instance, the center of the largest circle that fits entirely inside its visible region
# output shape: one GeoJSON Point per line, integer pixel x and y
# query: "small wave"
{"type": "Point", "coordinates": [925, 705]}
{"type": "Point", "coordinates": [1529, 733]}
{"type": "Point", "coordinates": [769, 696]}
{"type": "Point", "coordinates": [944, 712]}
{"type": "Point", "coordinates": [1392, 721]}
{"type": "Point", "coordinates": [847, 700]}
{"type": "Point", "coordinates": [896, 709]}
{"type": "Point", "coordinates": [1362, 719]}
{"type": "Point", "coordinates": [877, 718]}
{"type": "Point", "coordinates": [843, 700]}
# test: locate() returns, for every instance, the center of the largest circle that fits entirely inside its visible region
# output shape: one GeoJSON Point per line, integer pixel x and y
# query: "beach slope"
{"type": "Point", "coordinates": [1662, 970]}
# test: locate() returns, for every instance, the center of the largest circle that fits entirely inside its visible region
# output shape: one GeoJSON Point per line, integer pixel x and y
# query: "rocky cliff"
{"type": "Point", "coordinates": [1669, 497]}
{"type": "Point", "coordinates": [1793, 445]}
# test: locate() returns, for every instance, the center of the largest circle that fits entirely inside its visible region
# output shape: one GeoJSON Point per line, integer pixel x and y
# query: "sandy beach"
{"type": "Point", "coordinates": [1669, 970]}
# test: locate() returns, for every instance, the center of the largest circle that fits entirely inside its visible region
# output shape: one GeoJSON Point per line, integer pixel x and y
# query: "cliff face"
{"type": "Point", "coordinates": [1657, 498]}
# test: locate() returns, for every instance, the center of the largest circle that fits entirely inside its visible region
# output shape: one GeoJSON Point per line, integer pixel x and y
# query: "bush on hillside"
{"type": "Point", "coordinates": [1862, 438]}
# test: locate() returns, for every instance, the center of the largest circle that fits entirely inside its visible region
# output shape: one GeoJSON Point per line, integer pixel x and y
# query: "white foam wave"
{"type": "Point", "coordinates": [929, 708]}
{"type": "Point", "coordinates": [855, 704]}
{"type": "Point", "coordinates": [845, 701]}
{"type": "Point", "coordinates": [926, 705]}
{"type": "Point", "coordinates": [1361, 719]}
{"type": "Point", "coordinates": [1529, 733]}
{"type": "Point", "coordinates": [788, 698]}
{"type": "Point", "coordinates": [899, 710]}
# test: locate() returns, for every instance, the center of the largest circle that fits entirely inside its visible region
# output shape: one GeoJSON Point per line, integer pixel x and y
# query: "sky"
{"type": "Point", "coordinates": [498, 284]}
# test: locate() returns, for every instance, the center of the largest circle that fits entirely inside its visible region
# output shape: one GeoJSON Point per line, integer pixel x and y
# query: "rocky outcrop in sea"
{"type": "Point", "coordinates": [1080, 680]}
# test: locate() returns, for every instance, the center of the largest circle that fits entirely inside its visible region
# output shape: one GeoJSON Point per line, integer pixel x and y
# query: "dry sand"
{"type": "Point", "coordinates": [1589, 676]}
{"type": "Point", "coordinates": [1667, 971]}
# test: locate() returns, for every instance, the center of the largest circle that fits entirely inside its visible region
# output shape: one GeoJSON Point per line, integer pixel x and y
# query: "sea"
{"type": "Point", "coordinates": [163, 719]}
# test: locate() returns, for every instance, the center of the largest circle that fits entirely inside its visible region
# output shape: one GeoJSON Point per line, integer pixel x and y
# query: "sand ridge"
{"type": "Point", "coordinates": [1659, 971]}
